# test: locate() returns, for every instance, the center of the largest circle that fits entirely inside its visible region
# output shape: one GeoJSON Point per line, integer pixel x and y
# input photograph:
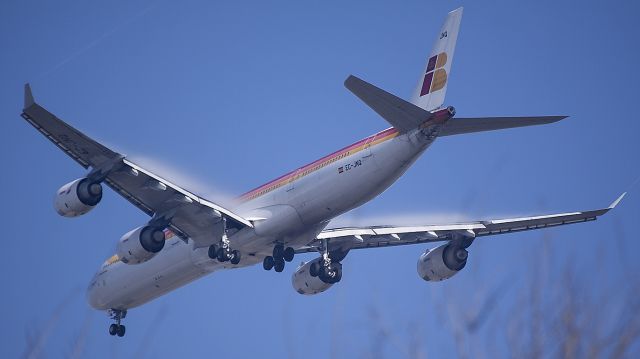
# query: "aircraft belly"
{"type": "Point", "coordinates": [125, 286]}
{"type": "Point", "coordinates": [128, 286]}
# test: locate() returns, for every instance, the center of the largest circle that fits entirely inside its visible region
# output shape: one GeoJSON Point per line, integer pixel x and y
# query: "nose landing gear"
{"type": "Point", "coordinates": [117, 328]}
{"type": "Point", "coordinates": [279, 257]}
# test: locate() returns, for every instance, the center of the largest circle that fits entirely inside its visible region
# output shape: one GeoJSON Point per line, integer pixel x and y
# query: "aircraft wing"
{"type": "Point", "coordinates": [187, 215]}
{"type": "Point", "coordinates": [345, 239]}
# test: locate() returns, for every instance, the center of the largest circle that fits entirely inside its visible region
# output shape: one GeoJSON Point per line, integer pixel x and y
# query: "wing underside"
{"type": "Point", "coordinates": [384, 236]}
{"type": "Point", "coordinates": [186, 214]}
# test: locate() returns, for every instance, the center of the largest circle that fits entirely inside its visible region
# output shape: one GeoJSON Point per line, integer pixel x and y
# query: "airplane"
{"type": "Point", "coordinates": [189, 236]}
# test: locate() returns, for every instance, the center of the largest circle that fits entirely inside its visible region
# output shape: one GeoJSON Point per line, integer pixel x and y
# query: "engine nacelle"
{"type": "Point", "coordinates": [442, 262]}
{"type": "Point", "coordinates": [77, 198]}
{"type": "Point", "coordinates": [304, 283]}
{"type": "Point", "coordinates": [140, 244]}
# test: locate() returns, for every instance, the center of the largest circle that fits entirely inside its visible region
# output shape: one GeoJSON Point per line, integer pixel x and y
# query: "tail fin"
{"type": "Point", "coordinates": [431, 89]}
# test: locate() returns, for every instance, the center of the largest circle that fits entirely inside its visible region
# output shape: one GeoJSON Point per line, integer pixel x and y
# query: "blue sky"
{"type": "Point", "coordinates": [225, 96]}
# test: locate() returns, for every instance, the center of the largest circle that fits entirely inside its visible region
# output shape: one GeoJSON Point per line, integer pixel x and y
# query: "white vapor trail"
{"type": "Point", "coordinates": [398, 219]}
{"type": "Point", "coordinates": [93, 43]}
{"type": "Point", "coordinates": [180, 178]}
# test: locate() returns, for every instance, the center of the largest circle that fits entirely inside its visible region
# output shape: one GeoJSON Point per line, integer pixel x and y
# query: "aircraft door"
{"type": "Point", "coordinates": [367, 155]}
{"type": "Point", "coordinates": [290, 186]}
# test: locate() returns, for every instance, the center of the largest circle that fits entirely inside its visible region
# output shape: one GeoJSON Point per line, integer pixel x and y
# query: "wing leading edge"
{"type": "Point", "coordinates": [189, 215]}
{"type": "Point", "coordinates": [385, 236]}
{"type": "Point", "coordinates": [84, 150]}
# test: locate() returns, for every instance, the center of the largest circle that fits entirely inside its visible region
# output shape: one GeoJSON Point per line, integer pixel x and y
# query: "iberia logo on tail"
{"type": "Point", "coordinates": [436, 76]}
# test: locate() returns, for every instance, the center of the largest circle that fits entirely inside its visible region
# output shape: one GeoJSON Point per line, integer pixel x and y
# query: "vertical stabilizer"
{"type": "Point", "coordinates": [432, 86]}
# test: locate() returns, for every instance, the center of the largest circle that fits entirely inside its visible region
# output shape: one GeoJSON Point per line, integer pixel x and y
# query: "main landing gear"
{"type": "Point", "coordinates": [117, 328]}
{"type": "Point", "coordinates": [277, 260]}
{"type": "Point", "coordinates": [222, 251]}
{"type": "Point", "coordinates": [328, 271]}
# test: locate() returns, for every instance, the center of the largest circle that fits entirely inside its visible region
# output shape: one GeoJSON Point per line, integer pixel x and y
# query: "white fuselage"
{"type": "Point", "coordinates": [293, 212]}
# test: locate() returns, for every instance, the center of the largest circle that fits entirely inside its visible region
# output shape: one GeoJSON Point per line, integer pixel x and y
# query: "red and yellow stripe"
{"type": "Point", "coordinates": [321, 163]}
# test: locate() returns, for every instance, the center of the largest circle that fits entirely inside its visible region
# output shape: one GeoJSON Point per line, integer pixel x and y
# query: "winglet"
{"type": "Point", "coordinates": [28, 96]}
{"type": "Point", "coordinates": [615, 203]}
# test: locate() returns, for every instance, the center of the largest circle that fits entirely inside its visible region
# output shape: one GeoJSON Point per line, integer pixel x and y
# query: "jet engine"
{"type": "Point", "coordinates": [140, 244]}
{"type": "Point", "coordinates": [77, 198]}
{"type": "Point", "coordinates": [442, 262]}
{"type": "Point", "coordinates": [304, 283]}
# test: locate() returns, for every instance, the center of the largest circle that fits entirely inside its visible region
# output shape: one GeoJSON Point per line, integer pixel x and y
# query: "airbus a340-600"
{"type": "Point", "coordinates": [188, 237]}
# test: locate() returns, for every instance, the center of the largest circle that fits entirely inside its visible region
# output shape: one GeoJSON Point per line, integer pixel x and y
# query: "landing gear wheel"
{"type": "Point", "coordinates": [222, 255]}
{"type": "Point", "coordinates": [314, 269]}
{"type": "Point", "coordinates": [336, 268]}
{"type": "Point", "coordinates": [278, 251]}
{"type": "Point", "coordinates": [279, 265]}
{"type": "Point", "coordinates": [322, 274]}
{"type": "Point", "coordinates": [268, 263]}
{"type": "Point", "coordinates": [117, 315]}
{"type": "Point", "coordinates": [331, 274]}
{"type": "Point", "coordinates": [213, 251]}
{"type": "Point", "coordinates": [288, 254]}
{"type": "Point", "coordinates": [235, 257]}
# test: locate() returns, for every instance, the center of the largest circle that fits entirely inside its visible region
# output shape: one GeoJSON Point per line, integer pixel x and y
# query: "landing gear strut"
{"type": "Point", "coordinates": [277, 260]}
{"type": "Point", "coordinates": [222, 251]}
{"type": "Point", "coordinates": [117, 328]}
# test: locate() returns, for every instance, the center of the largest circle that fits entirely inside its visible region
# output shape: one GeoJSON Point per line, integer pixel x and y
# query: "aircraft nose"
{"type": "Point", "coordinates": [94, 297]}
{"type": "Point", "coordinates": [91, 294]}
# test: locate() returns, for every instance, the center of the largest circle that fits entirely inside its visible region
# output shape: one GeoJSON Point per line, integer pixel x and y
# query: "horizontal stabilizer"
{"type": "Point", "coordinates": [401, 114]}
{"type": "Point", "coordinates": [457, 126]}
